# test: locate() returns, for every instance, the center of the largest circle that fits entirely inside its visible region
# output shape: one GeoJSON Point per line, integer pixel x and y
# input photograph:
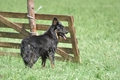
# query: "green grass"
{"type": "Point", "coordinates": [97, 26]}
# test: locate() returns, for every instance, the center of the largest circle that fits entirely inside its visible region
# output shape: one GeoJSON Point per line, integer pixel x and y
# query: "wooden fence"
{"type": "Point", "coordinates": [14, 27]}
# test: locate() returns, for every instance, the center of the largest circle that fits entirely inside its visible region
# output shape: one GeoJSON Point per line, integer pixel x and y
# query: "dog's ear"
{"type": "Point", "coordinates": [55, 21]}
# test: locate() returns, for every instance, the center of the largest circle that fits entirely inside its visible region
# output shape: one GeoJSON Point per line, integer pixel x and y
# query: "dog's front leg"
{"type": "Point", "coordinates": [43, 61]}
{"type": "Point", "coordinates": [51, 57]}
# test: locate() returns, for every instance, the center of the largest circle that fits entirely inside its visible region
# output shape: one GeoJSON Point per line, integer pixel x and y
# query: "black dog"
{"type": "Point", "coordinates": [43, 45]}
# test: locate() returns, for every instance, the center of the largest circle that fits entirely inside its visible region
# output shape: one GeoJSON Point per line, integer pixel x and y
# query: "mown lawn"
{"type": "Point", "coordinates": [97, 24]}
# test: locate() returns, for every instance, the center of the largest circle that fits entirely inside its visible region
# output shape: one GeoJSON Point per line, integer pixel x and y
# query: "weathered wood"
{"type": "Point", "coordinates": [26, 26]}
{"type": "Point", "coordinates": [41, 27]}
{"type": "Point", "coordinates": [38, 26]}
{"type": "Point", "coordinates": [19, 36]}
{"type": "Point", "coordinates": [64, 54]}
{"type": "Point", "coordinates": [63, 59]}
{"type": "Point", "coordinates": [15, 54]}
{"type": "Point", "coordinates": [10, 45]}
{"type": "Point", "coordinates": [14, 14]}
{"type": "Point", "coordinates": [74, 40]}
{"type": "Point", "coordinates": [67, 50]}
{"type": "Point", "coordinates": [37, 16]}
{"type": "Point", "coordinates": [31, 16]}
{"type": "Point", "coordinates": [14, 26]}
{"type": "Point", "coordinates": [11, 35]}
{"type": "Point", "coordinates": [17, 46]}
{"type": "Point", "coordinates": [59, 58]}
{"type": "Point", "coordinates": [50, 17]}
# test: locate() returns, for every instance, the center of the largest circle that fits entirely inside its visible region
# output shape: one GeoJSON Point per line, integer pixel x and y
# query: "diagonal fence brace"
{"type": "Point", "coordinates": [14, 26]}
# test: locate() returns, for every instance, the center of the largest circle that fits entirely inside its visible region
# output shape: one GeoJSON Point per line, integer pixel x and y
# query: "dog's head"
{"type": "Point", "coordinates": [59, 28]}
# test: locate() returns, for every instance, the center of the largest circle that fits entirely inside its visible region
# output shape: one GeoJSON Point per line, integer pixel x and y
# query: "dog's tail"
{"type": "Point", "coordinates": [28, 54]}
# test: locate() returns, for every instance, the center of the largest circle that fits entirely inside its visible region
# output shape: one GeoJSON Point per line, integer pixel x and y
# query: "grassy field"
{"type": "Point", "coordinates": [97, 24]}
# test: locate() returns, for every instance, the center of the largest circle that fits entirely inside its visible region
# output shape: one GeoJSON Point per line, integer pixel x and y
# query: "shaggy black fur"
{"type": "Point", "coordinates": [43, 45]}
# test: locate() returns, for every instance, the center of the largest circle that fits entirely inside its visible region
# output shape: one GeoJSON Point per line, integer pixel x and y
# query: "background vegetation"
{"type": "Point", "coordinates": [97, 24]}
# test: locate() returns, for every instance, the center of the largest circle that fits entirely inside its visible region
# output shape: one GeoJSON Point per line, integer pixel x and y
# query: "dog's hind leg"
{"type": "Point", "coordinates": [51, 57]}
{"type": "Point", "coordinates": [33, 59]}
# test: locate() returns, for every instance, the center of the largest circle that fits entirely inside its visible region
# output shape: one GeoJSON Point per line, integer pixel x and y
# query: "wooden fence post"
{"type": "Point", "coordinates": [74, 40]}
{"type": "Point", "coordinates": [31, 16]}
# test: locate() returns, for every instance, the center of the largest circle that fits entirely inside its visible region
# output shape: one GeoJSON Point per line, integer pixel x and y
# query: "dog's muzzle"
{"type": "Point", "coordinates": [62, 35]}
